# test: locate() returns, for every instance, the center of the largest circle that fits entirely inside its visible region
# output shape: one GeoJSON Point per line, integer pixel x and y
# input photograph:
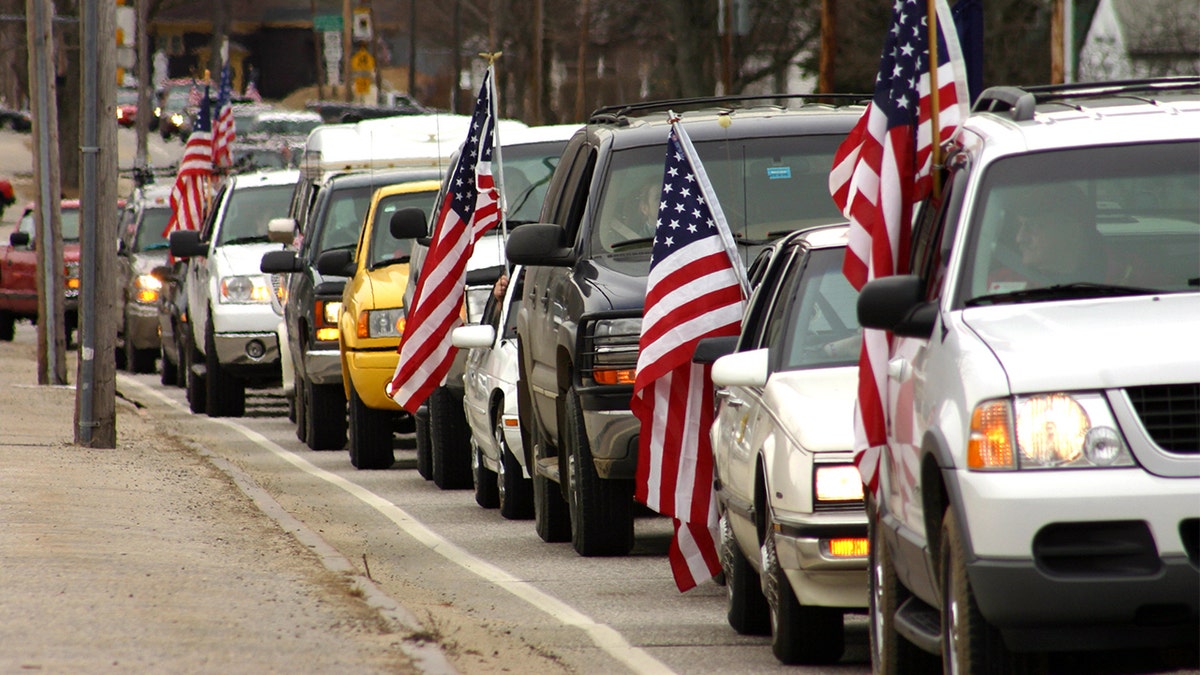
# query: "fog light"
{"type": "Point", "coordinates": [255, 349]}
{"type": "Point", "coordinates": [327, 334]}
{"type": "Point", "coordinates": [1103, 447]}
{"type": "Point", "coordinates": [855, 547]}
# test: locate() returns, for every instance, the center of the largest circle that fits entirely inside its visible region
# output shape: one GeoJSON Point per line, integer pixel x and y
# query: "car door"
{"type": "Point", "coordinates": [199, 271]}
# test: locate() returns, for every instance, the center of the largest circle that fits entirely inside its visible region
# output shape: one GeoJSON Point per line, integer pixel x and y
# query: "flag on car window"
{"type": "Point", "coordinates": [469, 208]}
{"type": "Point", "coordinates": [881, 170]}
{"type": "Point", "coordinates": [696, 289]}
{"type": "Point", "coordinates": [189, 194]}
{"type": "Point", "coordinates": [223, 132]}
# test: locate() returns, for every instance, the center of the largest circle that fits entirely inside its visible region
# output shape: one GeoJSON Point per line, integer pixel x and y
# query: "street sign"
{"type": "Point", "coordinates": [362, 61]}
{"type": "Point", "coordinates": [326, 23]}
{"type": "Point", "coordinates": [362, 85]}
{"type": "Point", "coordinates": [333, 45]}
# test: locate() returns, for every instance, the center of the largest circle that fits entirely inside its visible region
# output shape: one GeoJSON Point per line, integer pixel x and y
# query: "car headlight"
{"type": "Point", "coordinates": [245, 290]}
{"type": "Point", "coordinates": [327, 313]}
{"type": "Point", "coordinates": [610, 350]}
{"type": "Point", "coordinates": [837, 483]}
{"type": "Point", "coordinates": [176, 119]}
{"type": "Point", "coordinates": [146, 289]}
{"type": "Point", "coordinates": [71, 276]}
{"type": "Point", "coordinates": [1046, 431]}
{"type": "Point", "coordinates": [379, 323]}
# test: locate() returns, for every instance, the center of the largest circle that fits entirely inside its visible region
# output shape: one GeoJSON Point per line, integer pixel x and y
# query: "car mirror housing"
{"type": "Point", "coordinates": [897, 304]}
{"type": "Point", "coordinates": [742, 369]}
{"type": "Point", "coordinates": [187, 243]}
{"type": "Point", "coordinates": [539, 244]}
{"type": "Point", "coordinates": [338, 263]}
{"type": "Point", "coordinates": [279, 262]}
{"type": "Point", "coordinates": [470, 337]}
{"type": "Point", "coordinates": [281, 230]}
{"type": "Point", "coordinates": [710, 349]}
{"type": "Point", "coordinates": [18, 239]}
{"type": "Point", "coordinates": [408, 223]}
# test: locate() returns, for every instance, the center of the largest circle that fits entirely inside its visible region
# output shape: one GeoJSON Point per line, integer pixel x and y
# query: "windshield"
{"type": "Point", "coordinates": [1086, 222]}
{"type": "Point", "coordinates": [248, 211]}
{"type": "Point", "coordinates": [150, 236]}
{"type": "Point", "coordinates": [344, 216]}
{"type": "Point", "coordinates": [383, 248]}
{"type": "Point", "coordinates": [69, 219]}
{"type": "Point", "coordinates": [819, 326]}
{"type": "Point", "coordinates": [527, 170]}
{"type": "Point", "coordinates": [767, 187]}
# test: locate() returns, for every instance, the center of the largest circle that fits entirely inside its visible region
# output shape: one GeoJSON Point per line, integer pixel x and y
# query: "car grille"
{"type": "Point", "coordinates": [1171, 415]}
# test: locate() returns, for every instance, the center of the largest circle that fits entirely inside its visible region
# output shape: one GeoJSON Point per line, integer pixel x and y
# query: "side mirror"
{"type": "Point", "coordinates": [897, 304]}
{"type": "Point", "coordinates": [710, 349]}
{"type": "Point", "coordinates": [408, 223]}
{"type": "Point", "coordinates": [187, 244]}
{"type": "Point", "coordinates": [279, 262]}
{"type": "Point", "coordinates": [337, 263]}
{"type": "Point", "coordinates": [539, 244]}
{"type": "Point", "coordinates": [743, 369]}
{"type": "Point", "coordinates": [470, 337]}
{"type": "Point", "coordinates": [281, 230]}
{"type": "Point", "coordinates": [18, 239]}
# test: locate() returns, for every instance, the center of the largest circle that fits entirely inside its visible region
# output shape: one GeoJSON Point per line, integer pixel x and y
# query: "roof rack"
{"type": "Point", "coordinates": [621, 112]}
{"type": "Point", "coordinates": [1020, 102]}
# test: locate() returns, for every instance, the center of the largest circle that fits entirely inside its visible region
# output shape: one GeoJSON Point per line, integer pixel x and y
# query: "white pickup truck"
{"type": "Point", "coordinates": [232, 326]}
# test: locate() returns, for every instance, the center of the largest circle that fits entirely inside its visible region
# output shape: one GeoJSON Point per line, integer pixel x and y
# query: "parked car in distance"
{"type": "Point", "coordinates": [1038, 487]}
{"type": "Point", "coordinates": [490, 404]}
{"type": "Point", "coordinates": [141, 248]}
{"type": "Point", "coordinates": [586, 265]}
{"type": "Point", "coordinates": [793, 530]}
{"type": "Point", "coordinates": [284, 130]}
{"type": "Point", "coordinates": [232, 339]}
{"type": "Point", "coordinates": [173, 101]}
{"type": "Point", "coordinates": [127, 107]}
{"type": "Point", "coordinates": [372, 315]}
{"type": "Point", "coordinates": [19, 265]}
{"type": "Point", "coordinates": [15, 119]}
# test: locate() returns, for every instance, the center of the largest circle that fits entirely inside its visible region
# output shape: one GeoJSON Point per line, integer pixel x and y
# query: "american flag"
{"type": "Point", "coordinates": [223, 132]}
{"type": "Point", "coordinates": [189, 195]}
{"type": "Point", "coordinates": [469, 208]}
{"type": "Point", "coordinates": [880, 171]}
{"type": "Point", "coordinates": [696, 289]}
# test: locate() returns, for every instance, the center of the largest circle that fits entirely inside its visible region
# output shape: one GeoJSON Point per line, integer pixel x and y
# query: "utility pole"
{"type": "Point", "coordinates": [51, 340]}
{"type": "Point", "coordinates": [581, 58]}
{"type": "Point", "coordinates": [141, 160]}
{"type": "Point", "coordinates": [95, 394]}
{"type": "Point", "coordinates": [827, 68]}
{"type": "Point", "coordinates": [539, 28]}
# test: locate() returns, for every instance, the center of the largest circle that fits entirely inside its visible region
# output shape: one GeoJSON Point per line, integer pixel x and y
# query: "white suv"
{"type": "Point", "coordinates": [233, 341]}
{"type": "Point", "coordinates": [1040, 489]}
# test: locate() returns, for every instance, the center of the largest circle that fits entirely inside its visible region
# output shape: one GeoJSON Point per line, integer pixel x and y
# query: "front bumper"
{"type": "Point", "coordinates": [141, 326]}
{"type": "Point", "coordinates": [370, 373]}
{"type": "Point", "coordinates": [612, 428]}
{"type": "Point", "coordinates": [323, 366]}
{"type": "Point", "coordinates": [239, 349]}
{"type": "Point", "coordinates": [817, 578]}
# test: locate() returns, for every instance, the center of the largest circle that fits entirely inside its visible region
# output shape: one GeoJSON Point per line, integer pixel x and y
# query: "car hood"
{"type": "Point", "coordinates": [1093, 344]}
{"type": "Point", "coordinates": [243, 258]}
{"type": "Point", "coordinates": [620, 278]}
{"type": "Point", "coordinates": [386, 287]}
{"type": "Point", "coordinates": [815, 406]}
{"type": "Point", "coordinates": [146, 261]}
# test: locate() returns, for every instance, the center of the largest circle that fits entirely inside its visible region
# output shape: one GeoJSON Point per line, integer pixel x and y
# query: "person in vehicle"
{"type": "Point", "coordinates": [1055, 241]}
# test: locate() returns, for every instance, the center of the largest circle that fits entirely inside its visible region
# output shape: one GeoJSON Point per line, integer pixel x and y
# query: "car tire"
{"type": "Point", "coordinates": [370, 436]}
{"type": "Point", "coordinates": [325, 415]}
{"type": "Point", "coordinates": [226, 393]}
{"type": "Point", "coordinates": [514, 492]}
{"type": "Point", "coordinates": [451, 441]}
{"type": "Point", "coordinates": [298, 391]}
{"type": "Point", "coordinates": [551, 515]}
{"type": "Point", "coordinates": [969, 643]}
{"type": "Point", "coordinates": [601, 509]}
{"type": "Point", "coordinates": [891, 653]}
{"type": "Point", "coordinates": [487, 493]}
{"type": "Point", "coordinates": [197, 389]}
{"type": "Point", "coordinates": [799, 633]}
{"type": "Point", "coordinates": [8, 326]}
{"type": "Point", "coordinates": [747, 610]}
{"type": "Point", "coordinates": [138, 360]}
{"type": "Point", "coordinates": [168, 373]}
{"type": "Point", "coordinates": [423, 440]}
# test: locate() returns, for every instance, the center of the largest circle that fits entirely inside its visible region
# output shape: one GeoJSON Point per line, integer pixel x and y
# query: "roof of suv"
{"type": "Point", "coordinates": [1057, 116]}
{"type": "Point", "coordinates": [351, 179]}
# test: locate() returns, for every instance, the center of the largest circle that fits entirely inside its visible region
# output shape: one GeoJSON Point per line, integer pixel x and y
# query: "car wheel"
{"type": "Point", "coordinates": [969, 643]}
{"type": "Point", "coordinates": [197, 389]}
{"type": "Point", "coordinates": [168, 373]}
{"type": "Point", "coordinates": [487, 493]}
{"type": "Point", "coordinates": [325, 415]}
{"type": "Point", "coordinates": [514, 491]}
{"type": "Point", "coordinates": [601, 509]}
{"type": "Point", "coordinates": [226, 393]}
{"type": "Point", "coordinates": [8, 326]}
{"type": "Point", "coordinates": [747, 610]}
{"type": "Point", "coordinates": [551, 516]}
{"type": "Point", "coordinates": [891, 654]}
{"type": "Point", "coordinates": [451, 441]}
{"type": "Point", "coordinates": [424, 451]}
{"type": "Point", "coordinates": [799, 633]}
{"type": "Point", "coordinates": [370, 436]}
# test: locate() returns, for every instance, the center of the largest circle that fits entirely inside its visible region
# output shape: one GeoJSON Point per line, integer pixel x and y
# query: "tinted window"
{"type": "Point", "coordinates": [527, 170]}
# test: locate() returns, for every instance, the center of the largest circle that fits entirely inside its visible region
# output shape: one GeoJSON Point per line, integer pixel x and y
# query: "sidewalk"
{"type": "Point", "coordinates": [148, 557]}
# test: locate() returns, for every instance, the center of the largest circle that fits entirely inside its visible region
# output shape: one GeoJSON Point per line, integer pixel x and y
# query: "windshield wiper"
{"type": "Point", "coordinates": [254, 239]}
{"type": "Point", "coordinates": [628, 243]}
{"type": "Point", "coordinates": [390, 261]}
{"type": "Point", "coordinates": [1079, 289]}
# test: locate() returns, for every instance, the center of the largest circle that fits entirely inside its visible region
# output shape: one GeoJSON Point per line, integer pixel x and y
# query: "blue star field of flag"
{"type": "Point", "coordinates": [464, 190]}
{"type": "Point", "coordinates": [684, 216]}
{"type": "Point", "coordinates": [905, 59]}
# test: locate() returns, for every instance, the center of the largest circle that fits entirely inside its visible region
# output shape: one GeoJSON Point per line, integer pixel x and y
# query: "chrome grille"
{"type": "Point", "coordinates": [1171, 415]}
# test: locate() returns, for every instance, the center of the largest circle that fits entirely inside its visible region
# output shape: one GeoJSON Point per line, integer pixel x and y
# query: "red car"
{"type": "Point", "coordinates": [127, 107]}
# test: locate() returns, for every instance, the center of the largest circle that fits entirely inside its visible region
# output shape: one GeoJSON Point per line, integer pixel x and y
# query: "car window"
{"type": "Point", "coordinates": [70, 224]}
{"type": "Point", "coordinates": [1117, 215]}
{"type": "Point", "coordinates": [150, 234]}
{"type": "Point", "coordinates": [527, 171]}
{"type": "Point", "coordinates": [384, 249]}
{"type": "Point", "coordinates": [344, 216]}
{"type": "Point", "coordinates": [767, 187]}
{"type": "Point", "coordinates": [248, 211]}
{"type": "Point", "coordinates": [819, 321]}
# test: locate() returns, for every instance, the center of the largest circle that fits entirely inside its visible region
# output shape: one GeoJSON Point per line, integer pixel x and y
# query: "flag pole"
{"type": "Point", "coordinates": [497, 156]}
{"type": "Point", "coordinates": [934, 103]}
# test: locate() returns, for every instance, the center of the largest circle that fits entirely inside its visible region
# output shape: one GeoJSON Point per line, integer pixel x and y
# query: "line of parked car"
{"type": "Point", "coordinates": [1044, 433]}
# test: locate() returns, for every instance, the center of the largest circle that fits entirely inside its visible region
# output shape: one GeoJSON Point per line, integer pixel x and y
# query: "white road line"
{"type": "Point", "coordinates": [604, 636]}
